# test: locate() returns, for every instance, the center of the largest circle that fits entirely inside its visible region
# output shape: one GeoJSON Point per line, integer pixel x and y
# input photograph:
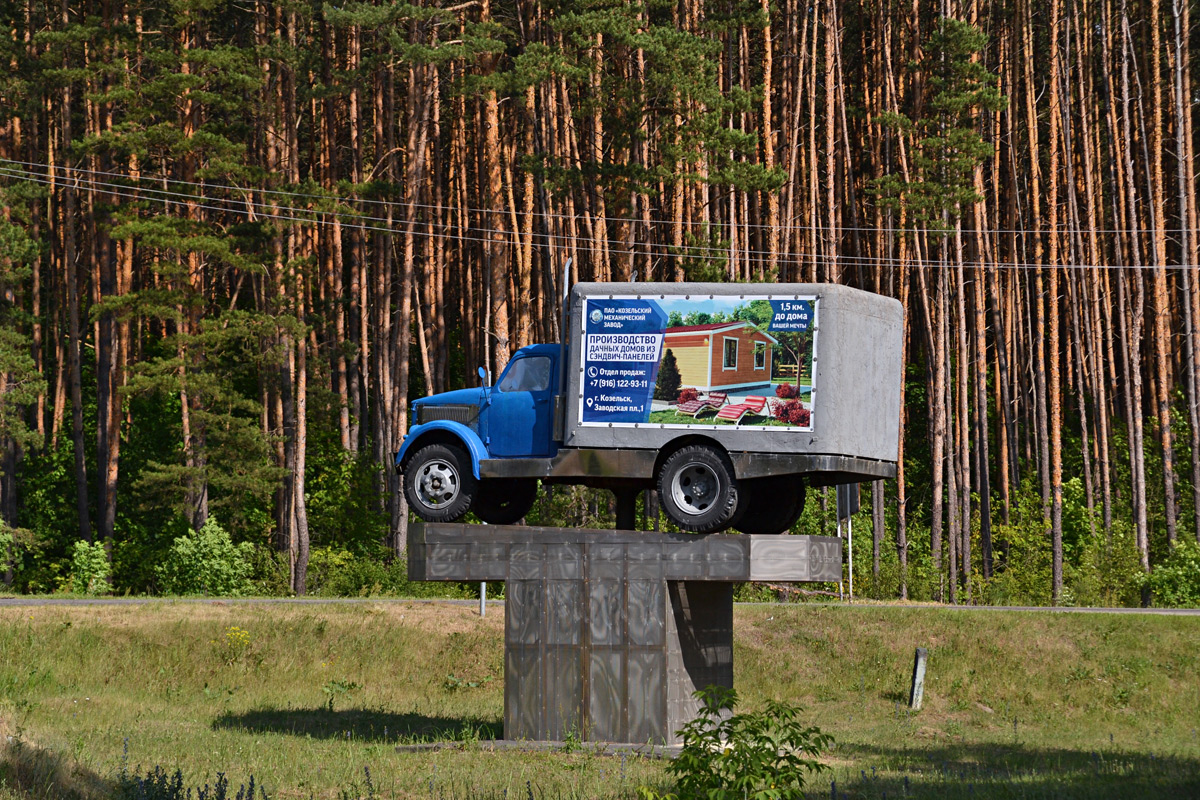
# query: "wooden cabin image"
{"type": "Point", "coordinates": [721, 356]}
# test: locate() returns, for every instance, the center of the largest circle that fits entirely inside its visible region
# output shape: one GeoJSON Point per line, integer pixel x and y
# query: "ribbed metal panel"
{"type": "Point", "coordinates": [455, 413]}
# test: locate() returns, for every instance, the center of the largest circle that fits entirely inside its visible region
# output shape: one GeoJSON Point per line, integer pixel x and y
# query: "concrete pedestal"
{"type": "Point", "coordinates": [609, 633]}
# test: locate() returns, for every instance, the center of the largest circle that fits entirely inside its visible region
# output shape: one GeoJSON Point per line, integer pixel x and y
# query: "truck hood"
{"type": "Point", "coordinates": [463, 405]}
{"type": "Point", "coordinates": [458, 396]}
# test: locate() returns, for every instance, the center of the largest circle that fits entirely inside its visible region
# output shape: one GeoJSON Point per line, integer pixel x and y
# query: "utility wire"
{"type": "Point", "coordinates": [785, 227]}
{"type": "Point", "coordinates": [355, 221]}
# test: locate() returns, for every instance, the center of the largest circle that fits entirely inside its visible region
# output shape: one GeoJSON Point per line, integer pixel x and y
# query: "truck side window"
{"type": "Point", "coordinates": [529, 374]}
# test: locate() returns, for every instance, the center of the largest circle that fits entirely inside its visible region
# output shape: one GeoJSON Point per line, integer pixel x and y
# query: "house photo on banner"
{"type": "Point", "coordinates": [722, 356]}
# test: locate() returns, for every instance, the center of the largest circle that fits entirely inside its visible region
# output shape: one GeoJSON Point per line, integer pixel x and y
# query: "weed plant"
{"type": "Point", "coordinates": [158, 784]}
{"type": "Point", "coordinates": [767, 754]}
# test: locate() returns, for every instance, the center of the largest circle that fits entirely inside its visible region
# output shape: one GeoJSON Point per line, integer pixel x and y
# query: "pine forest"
{"type": "Point", "coordinates": [239, 238]}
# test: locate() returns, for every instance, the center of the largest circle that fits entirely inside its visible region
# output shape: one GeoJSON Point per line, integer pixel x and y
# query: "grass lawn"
{"type": "Point", "coordinates": [710, 418]}
{"type": "Point", "coordinates": [309, 698]}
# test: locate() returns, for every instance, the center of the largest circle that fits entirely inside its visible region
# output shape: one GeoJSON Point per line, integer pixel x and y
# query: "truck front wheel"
{"type": "Point", "coordinates": [438, 483]}
{"type": "Point", "coordinates": [697, 489]}
{"type": "Point", "coordinates": [503, 501]}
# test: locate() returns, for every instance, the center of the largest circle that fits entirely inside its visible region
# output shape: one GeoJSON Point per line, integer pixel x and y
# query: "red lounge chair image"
{"type": "Point", "coordinates": [752, 405]}
{"type": "Point", "coordinates": [692, 408]}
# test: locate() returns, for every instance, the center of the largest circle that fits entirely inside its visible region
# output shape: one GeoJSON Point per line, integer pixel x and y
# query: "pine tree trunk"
{"type": "Point", "coordinates": [67, 225]}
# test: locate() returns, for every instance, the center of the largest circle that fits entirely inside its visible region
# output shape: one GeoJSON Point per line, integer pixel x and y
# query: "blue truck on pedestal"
{"type": "Point", "coordinates": [728, 399]}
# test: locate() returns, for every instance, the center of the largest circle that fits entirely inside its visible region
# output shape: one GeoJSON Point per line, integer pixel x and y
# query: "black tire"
{"type": "Point", "coordinates": [439, 484]}
{"type": "Point", "coordinates": [504, 501]}
{"type": "Point", "coordinates": [771, 505]}
{"type": "Point", "coordinates": [697, 489]}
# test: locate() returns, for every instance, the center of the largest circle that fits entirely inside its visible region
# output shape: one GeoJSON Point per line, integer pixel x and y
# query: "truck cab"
{"type": "Point", "coordinates": [453, 433]}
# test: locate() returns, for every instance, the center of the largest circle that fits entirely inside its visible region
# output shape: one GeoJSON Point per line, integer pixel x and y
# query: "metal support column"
{"type": "Point", "coordinates": [626, 508]}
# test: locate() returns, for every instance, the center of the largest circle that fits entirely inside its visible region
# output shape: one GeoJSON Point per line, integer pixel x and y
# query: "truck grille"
{"type": "Point", "coordinates": [465, 414]}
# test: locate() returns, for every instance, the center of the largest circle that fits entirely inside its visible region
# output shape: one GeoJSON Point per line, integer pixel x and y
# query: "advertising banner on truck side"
{"type": "Point", "coordinates": [698, 361]}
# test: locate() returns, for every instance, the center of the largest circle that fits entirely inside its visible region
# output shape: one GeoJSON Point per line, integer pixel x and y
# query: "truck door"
{"type": "Point", "coordinates": [519, 420]}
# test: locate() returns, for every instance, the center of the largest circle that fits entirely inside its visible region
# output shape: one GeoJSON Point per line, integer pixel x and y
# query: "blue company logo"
{"type": "Point", "coordinates": [597, 316]}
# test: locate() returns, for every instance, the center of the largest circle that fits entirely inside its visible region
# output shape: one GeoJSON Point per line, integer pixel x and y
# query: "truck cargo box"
{"type": "Point", "coordinates": [836, 351]}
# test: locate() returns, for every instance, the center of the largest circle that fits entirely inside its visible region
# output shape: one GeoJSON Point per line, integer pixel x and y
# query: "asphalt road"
{"type": "Point", "coordinates": [221, 601]}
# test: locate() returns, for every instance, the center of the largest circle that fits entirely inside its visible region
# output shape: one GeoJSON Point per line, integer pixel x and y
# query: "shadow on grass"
{"type": "Point", "coordinates": [29, 772]}
{"type": "Point", "coordinates": [361, 724]}
{"type": "Point", "coordinates": [1012, 771]}
{"type": "Point", "coordinates": [33, 773]}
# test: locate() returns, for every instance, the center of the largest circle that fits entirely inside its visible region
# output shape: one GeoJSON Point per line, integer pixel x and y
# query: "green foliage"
{"type": "Point", "coordinates": [753, 593]}
{"type": "Point", "coordinates": [219, 369]}
{"type": "Point", "coordinates": [338, 688]}
{"type": "Point", "coordinates": [1023, 557]}
{"type": "Point", "coordinates": [766, 754]}
{"type": "Point", "coordinates": [341, 488]}
{"type": "Point", "coordinates": [334, 572]}
{"type": "Point", "coordinates": [1175, 583]}
{"type": "Point", "coordinates": [949, 146]}
{"type": "Point", "coordinates": [679, 103]}
{"type": "Point", "coordinates": [90, 570]}
{"type": "Point", "coordinates": [270, 572]}
{"type": "Point", "coordinates": [704, 258]}
{"type": "Point", "coordinates": [669, 379]}
{"type": "Point", "coordinates": [206, 562]}
{"type": "Point", "coordinates": [6, 541]}
{"type": "Point", "coordinates": [22, 382]}
{"type": "Point", "coordinates": [47, 530]}
{"type": "Point", "coordinates": [1108, 571]}
{"type": "Point", "coordinates": [453, 683]}
{"type": "Point", "coordinates": [575, 506]}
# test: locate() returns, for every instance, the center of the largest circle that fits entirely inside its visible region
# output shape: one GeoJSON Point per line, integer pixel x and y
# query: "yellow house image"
{"type": "Point", "coordinates": [721, 356]}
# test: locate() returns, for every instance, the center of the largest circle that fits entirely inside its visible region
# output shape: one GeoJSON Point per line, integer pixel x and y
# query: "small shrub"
{"type": "Point", "coordinates": [688, 394]}
{"type": "Point", "coordinates": [792, 412]}
{"type": "Point", "coordinates": [766, 754]}
{"type": "Point", "coordinates": [90, 570]}
{"type": "Point", "coordinates": [787, 391]}
{"type": "Point", "coordinates": [1175, 583]}
{"type": "Point", "coordinates": [206, 562]}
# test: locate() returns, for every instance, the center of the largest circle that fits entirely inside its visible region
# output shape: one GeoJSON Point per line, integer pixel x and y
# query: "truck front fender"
{"type": "Point", "coordinates": [445, 431]}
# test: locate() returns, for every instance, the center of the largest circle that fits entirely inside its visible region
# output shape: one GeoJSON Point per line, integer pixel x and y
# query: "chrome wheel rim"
{"type": "Point", "coordinates": [438, 484]}
{"type": "Point", "coordinates": [695, 488]}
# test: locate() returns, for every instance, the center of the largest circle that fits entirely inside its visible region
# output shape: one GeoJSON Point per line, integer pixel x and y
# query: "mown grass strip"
{"type": "Point", "coordinates": [305, 698]}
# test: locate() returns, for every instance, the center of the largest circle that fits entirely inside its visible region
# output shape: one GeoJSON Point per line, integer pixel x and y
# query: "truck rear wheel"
{"type": "Point", "coordinates": [504, 501]}
{"type": "Point", "coordinates": [697, 489]}
{"type": "Point", "coordinates": [438, 483]}
{"type": "Point", "coordinates": [772, 505]}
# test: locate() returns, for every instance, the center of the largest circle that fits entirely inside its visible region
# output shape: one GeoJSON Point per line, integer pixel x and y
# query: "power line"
{"type": "Point", "coordinates": [355, 221]}
{"type": "Point", "coordinates": [783, 227]}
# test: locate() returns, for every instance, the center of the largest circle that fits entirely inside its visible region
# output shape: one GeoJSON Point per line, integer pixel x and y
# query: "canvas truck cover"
{"type": "Point", "coordinates": [834, 350]}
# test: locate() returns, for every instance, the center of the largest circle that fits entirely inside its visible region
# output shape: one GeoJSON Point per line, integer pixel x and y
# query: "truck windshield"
{"type": "Point", "coordinates": [529, 374]}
